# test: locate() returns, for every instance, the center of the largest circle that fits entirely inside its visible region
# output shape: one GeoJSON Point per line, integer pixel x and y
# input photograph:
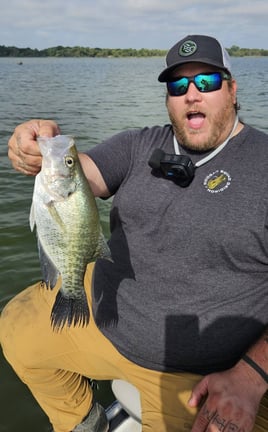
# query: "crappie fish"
{"type": "Point", "coordinates": [68, 228]}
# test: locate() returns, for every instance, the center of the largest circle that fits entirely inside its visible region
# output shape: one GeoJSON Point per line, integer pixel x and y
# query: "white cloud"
{"type": "Point", "coordinates": [131, 23]}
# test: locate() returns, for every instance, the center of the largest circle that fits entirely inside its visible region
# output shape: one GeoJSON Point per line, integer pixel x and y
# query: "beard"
{"type": "Point", "coordinates": [220, 126]}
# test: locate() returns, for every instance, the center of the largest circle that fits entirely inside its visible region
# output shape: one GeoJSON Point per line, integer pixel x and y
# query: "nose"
{"type": "Point", "coordinates": [193, 94]}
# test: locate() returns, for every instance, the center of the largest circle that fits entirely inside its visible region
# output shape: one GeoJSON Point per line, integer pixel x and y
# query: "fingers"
{"type": "Point", "coordinates": [23, 150]}
{"type": "Point", "coordinates": [198, 393]}
{"type": "Point", "coordinates": [209, 420]}
{"type": "Point", "coordinates": [229, 402]}
{"type": "Point", "coordinates": [27, 161]}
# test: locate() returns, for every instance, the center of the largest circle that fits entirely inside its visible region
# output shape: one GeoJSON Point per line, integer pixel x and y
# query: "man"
{"type": "Point", "coordinates": [182, 310]}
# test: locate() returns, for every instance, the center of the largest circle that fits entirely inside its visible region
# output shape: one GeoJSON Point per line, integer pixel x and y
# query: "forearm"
{"type": "Point", "coordinates": [94, 176]}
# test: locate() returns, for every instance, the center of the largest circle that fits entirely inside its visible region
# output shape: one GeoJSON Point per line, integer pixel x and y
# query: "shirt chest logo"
{"type": "Point", "coordinates": [217, 182]}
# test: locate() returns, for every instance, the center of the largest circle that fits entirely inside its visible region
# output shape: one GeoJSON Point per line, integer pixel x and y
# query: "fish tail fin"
{"type": "Point", "coordinates": [69, 311]}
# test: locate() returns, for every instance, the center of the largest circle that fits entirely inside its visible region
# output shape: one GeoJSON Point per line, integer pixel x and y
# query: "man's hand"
{"type": "Point", "coordinates": [231, 400]}
{"type": "Point", "coordinates": [23, 150]}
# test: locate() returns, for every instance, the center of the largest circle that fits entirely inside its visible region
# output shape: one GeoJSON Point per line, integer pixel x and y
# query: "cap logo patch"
{"type": "Point", "coordinates": [187, 48]}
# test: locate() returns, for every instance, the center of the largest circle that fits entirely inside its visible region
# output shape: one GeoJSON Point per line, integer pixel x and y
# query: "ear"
{"type": "Point", "coordinates": [234, 90]}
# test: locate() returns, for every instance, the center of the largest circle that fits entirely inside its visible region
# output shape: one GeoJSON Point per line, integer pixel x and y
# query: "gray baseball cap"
{"type": "Point", "coordinates": [196, 48]}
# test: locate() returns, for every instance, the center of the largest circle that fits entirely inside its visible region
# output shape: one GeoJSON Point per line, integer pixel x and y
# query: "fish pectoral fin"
{"type": "Point", "coordinates": [49, 271]}
{"type": "Point", "coordinates": [55, 215]}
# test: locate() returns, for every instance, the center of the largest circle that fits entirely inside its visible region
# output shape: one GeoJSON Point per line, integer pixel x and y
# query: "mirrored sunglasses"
{"type": "Point", "coordinates": [204, 82]}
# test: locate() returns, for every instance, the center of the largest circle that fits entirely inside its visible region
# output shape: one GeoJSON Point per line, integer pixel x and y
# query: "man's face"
{"type": "Point", "coordinates": [202, 121]}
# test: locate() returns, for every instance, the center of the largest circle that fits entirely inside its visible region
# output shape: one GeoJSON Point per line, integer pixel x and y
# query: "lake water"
{"type": "Point", "coordinates": [91, 99]}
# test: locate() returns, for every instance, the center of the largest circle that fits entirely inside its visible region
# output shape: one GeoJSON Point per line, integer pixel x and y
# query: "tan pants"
{"type": "Point", "coordinates": [54, 366]}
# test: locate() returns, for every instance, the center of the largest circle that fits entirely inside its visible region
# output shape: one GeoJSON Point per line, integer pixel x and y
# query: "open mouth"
{"type": "Point", "coordinates": [195, 119]}
{"type": "Point", "coordinates": [195, 114]}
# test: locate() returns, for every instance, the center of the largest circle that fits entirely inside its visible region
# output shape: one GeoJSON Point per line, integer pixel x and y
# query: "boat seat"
{"type": "Point", "coordinates": [129, 397]}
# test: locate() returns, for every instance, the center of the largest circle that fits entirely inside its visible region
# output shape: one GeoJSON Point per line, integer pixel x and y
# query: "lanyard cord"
{"type": "Point", "coordinates": [214, 153]}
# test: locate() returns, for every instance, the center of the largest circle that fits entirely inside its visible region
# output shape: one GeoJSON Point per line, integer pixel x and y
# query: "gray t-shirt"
{"type": "Point", "coordinates": [188, 285]}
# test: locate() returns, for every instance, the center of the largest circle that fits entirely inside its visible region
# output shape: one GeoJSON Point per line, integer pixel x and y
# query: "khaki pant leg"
{"type": "Point", "coordinates": [54, 366]}
{"type": "Point", "coordinates": [261, 424]}
{"type": "Point", "coordinates": [164, 400]}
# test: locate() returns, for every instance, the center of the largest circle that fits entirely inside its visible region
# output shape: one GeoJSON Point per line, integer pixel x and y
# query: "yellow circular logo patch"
{"type": "Point", "coordinates": [218, 181]}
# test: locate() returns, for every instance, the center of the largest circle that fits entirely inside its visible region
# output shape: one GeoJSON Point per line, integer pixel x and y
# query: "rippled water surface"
{"type": "Point", "coordinates": [91, 99]}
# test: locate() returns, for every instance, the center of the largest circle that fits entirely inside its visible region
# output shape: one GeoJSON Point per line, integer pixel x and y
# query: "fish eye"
{"type": "Point", "coordinates": [69, 161]}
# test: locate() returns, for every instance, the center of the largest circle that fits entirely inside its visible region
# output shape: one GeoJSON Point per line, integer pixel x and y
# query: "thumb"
{"type": "Point", "coordinates": [199, 391]}
{"type": "Point", "coordinates": [48, 128]}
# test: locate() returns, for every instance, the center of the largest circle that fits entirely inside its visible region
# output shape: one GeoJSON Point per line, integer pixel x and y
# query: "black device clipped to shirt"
{"type": "Point", "coordinates": [178, 168]}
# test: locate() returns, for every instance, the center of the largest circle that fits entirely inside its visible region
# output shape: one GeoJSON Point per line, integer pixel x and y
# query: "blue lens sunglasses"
{"type": "Point", "coordinates": [204, 82]}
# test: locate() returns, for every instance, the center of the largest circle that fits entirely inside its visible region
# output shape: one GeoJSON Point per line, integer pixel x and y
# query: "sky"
{"type": "Point", "coordinates": [152, 24]}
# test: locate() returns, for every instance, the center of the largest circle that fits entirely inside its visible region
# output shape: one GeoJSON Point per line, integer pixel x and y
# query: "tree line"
{"type": "Point", "coordinates": [236, 51]}
{"type": "Point", "coordinates": [77, 51]}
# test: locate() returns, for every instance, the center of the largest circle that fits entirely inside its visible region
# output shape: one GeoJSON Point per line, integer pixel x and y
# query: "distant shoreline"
{"type": "Point", "coordinates": [77, 51]}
